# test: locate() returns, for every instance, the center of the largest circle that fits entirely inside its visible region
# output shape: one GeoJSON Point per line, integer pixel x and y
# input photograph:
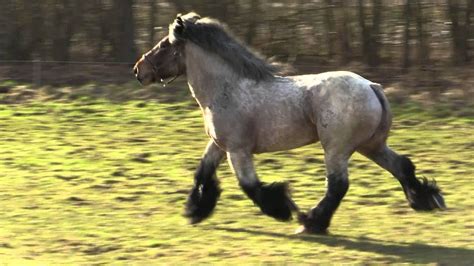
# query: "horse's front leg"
{"type": "Point", "coordinates": [204, 195]}
{"type": "Point", "coordinates": [317, 220]}
{"type": "Point", "coordinates": [273, 199]}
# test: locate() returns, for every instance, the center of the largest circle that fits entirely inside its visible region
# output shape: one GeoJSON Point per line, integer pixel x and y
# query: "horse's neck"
{"type": "Point", "coordinates": [206, 74]}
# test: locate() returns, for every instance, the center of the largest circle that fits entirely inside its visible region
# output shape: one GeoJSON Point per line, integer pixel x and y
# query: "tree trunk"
{"type": "Point", "coordinates": [180, 6]}
{"type": "Point", "coordinates": [252, 26]}
{"type": "Point", "coordinates": [406, 35]}
{"type": "Point", "coordinates": [36, 29]}
{"type": "Point", "coordinates": [370, 34]}
{"type": "Point", "coordinates": [469, 31]}
{"type": "Point", "coordinates": [124, 49]}
{"type": "Point", "coordinates": [67, 15]}
{"type": "Point", "coordinates": [5, 16]}
{"type": "Point", "coordinates": [458, 33]}
{"type": "Point", "coordinates": [423, 49]}
{"type": "Point", "coordinates": [17, 27]}
{"type": "Point", "coordinates": [365, 42]}
{"type": "Point", "coordinates": [329, 27]}
{"type": "Point", "coordinates": [98, 28]}
{"type": "Point", "coordinates": [152, 25]}
{"type": "Point", "coordinates": [342, 20]}
{"type": "Point", "coordinates": [374, 55]}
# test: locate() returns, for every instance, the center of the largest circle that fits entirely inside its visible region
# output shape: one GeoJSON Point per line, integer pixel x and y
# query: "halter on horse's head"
{"type": "Point", "coordinates": [166, 59]}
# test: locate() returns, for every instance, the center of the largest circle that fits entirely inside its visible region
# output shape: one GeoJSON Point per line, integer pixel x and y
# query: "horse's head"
{"type": "Point", "coordinates": [164, 61]}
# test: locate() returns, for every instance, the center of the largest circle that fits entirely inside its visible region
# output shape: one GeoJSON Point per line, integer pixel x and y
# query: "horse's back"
{"type": "Point", "coordinates": [338, 79]}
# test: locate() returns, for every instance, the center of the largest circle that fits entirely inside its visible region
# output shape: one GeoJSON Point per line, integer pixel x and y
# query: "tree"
{"type": "Point", "coordinates": [329, 27]}
{"type": "Point", "coordinates": [152, 23]}
{"type": "Point", "coordinates": [343, 32]}
{"type": "Point", "coordinates": [423, 48]}
{"type": "Point", "coordinates": [23, 31]}
{"type": "Point", "coordinates": [407, 13]}
{"type": "Point", "coordinates": [459, 30]}
{"type": "Point", "coordinates": [123, 44]}
{"type": "Point", "coordinates": [66, 17]}
{"type": "Point", "coordinates": [370, 33]}
{"type": "Point", "coordinates": [252, 21]}
{"type": "Point", "coordinates": [413, 10]}
{"type": "Point", "coordinates": [100, 28]}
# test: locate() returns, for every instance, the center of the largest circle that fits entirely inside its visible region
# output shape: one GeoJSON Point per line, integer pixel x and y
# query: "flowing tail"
{"type": "Point", "coordinates": [381, 134]}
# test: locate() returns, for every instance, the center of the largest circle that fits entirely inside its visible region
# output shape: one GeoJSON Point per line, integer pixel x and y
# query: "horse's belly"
{"type": "Point", "coordinates": [284, 137]}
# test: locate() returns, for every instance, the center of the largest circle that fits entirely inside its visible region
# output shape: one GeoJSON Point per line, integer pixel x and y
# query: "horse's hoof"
{"type": "Point", "coordinates": [304, 230]}
{"type": "Point", "coordinates": [311, 225]}
{"type": "Point", "coordinates": [300, 230]}
{"type": "Point", "coordinates": [196, 220]}
{"type": "Point", "coordinates": [427, 197]}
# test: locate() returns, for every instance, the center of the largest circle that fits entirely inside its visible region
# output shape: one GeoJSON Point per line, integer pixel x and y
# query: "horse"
{"type": "Point", "coordinates": [249, 108]}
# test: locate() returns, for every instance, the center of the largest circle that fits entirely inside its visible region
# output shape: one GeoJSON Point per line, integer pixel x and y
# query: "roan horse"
{"type": "Point", "coordinates": [249, 109]}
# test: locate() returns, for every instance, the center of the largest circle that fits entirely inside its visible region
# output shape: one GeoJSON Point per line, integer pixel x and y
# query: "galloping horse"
{"type": "Point", "coordinates": [249, 109]}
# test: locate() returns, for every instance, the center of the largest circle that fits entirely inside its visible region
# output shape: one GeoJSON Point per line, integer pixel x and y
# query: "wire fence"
{"type": "Point", "coordinates": [45, 71]}
{"type": "Point", "coordinates": [50, 72]}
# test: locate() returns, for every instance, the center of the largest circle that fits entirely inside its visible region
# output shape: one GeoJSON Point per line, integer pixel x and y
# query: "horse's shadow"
{"type": "Point", "coordinates": [400, 253]}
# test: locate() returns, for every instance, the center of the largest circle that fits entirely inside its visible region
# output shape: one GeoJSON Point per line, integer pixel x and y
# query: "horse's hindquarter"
{"type": "Point", "coordinates": [346, 110]}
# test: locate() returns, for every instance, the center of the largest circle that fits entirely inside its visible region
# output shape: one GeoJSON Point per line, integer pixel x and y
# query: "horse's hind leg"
{"type": "Point", "coordinates": [204, 195]}
{"type": "Point", "coordinates": [317, 220]}
{"type": "Point", "coordinates": [422, 196]}
{"type": "Point", "coordinates": [273, 199]}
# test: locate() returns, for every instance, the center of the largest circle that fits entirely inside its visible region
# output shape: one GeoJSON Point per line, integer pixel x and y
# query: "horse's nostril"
{"type": "Point", "coordinates": [135, 70]}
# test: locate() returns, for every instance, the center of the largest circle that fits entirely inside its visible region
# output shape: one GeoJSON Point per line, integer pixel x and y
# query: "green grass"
{"type": "Point", "coordinates": [91, 181]}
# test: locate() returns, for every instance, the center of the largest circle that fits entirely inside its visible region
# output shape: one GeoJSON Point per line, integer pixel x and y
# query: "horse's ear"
{"type": "Point", "coordinates": [179, 26]}
{"type": "Point", "coordinates": [179, 21]}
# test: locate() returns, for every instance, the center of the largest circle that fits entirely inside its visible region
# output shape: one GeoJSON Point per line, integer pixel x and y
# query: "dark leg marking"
{"type": "Point", "coordinates": [318, 219]}
{"type": "Point", "coordinates": [204, 195]}
{"type": "Point", "coordinates": [422, 196]}
{"type": "Point", "coordinates": [273, 199]}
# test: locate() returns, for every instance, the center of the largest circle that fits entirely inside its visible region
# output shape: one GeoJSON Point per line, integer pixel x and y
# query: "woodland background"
{"type": "Point", "coordinates": [74, 39]}
{"type": "Point", "coordinates": [96, 169]}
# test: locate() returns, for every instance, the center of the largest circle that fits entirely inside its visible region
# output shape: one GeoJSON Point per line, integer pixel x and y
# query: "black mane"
{"type": "Point", "coordinates": [212, 36]}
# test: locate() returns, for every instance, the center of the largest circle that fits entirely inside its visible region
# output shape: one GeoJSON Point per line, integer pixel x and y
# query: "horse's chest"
{"type": "Point", "coordinates": [226, 129]}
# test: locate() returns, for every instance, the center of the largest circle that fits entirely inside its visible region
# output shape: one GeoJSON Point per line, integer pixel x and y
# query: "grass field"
{"type": "Point", "coordinates": [96, 181]}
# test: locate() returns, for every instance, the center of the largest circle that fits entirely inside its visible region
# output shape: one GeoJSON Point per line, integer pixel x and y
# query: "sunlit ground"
{"type": "Point", "coordinates": [94, 181]}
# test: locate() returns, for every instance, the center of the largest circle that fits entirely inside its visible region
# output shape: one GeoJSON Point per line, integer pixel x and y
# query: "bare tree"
{"type": "Point", "coordinates": [423, 48]}
{"type": "Point", "coordinates": [329, 27]}
{"type": "Point", "coordinates": [370, 33]}
{"type": "Point", "coordinates": [407, 13]}
{"type": "Point", "coordinates": [104, 28]}
{"type": "Point", "coordinates": [460, 30]}
{"type": "Point", "coordinates": [343, 32]}
{"type": "Point", "coordinates": [66, 18]}
{"type": "Point", "coordinates": [123, 45]}
{"type": "Point", "coordinates": [252, 21]}
{"type": "Point", "coordinates": [152, 23]}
